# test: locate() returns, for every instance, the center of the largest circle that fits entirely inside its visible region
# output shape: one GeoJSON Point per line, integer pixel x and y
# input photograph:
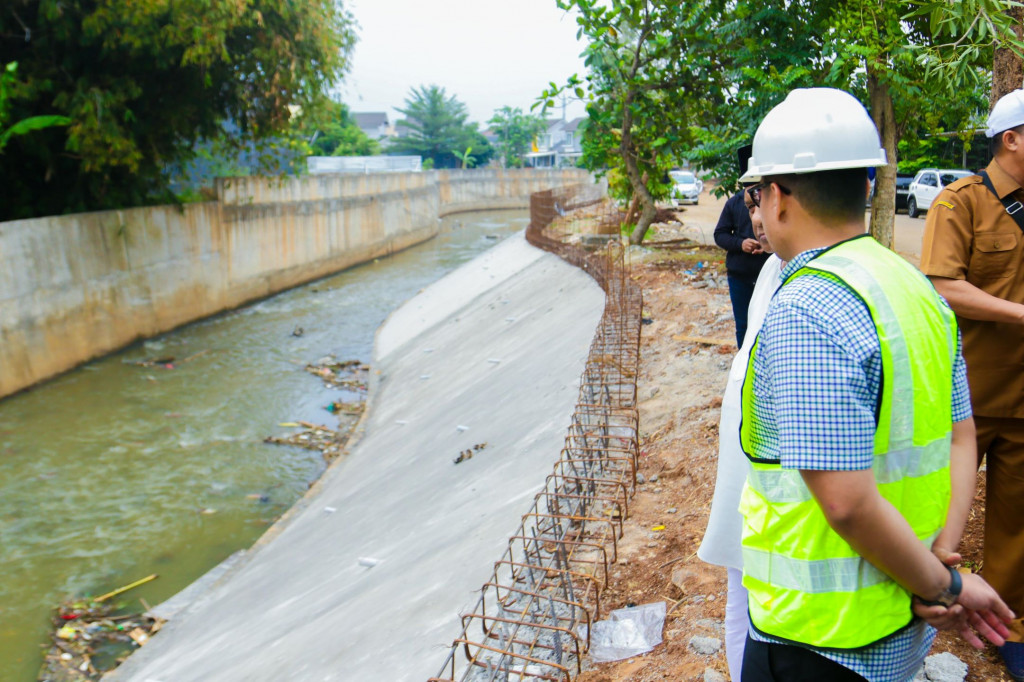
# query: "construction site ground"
{"type": "Point", "coordinates": [687, 346]}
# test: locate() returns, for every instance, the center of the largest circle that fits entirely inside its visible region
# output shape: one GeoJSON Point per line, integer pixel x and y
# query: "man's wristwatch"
{"type": "Point", "coordinates": [949, 595]}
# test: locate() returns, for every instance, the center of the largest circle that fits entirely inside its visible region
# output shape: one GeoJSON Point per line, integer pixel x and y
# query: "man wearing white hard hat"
{"type": "Point", "coordinates": [973, 252]}
{"type": "Point", "coordinates": [854, 405]}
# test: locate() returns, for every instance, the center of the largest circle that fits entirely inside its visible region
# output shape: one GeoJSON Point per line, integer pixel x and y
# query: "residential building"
{"type": "Point", "coordinates": [559, 145]}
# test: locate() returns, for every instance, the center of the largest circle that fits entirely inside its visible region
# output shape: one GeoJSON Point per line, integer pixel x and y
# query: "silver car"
{"type": "Point", "coordinates": [686, 186]}
{"type": "Point", "coordinates": [927, 184]}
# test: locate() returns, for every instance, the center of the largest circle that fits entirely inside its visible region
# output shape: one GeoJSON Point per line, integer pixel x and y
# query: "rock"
{"type": "Point", "coordinates": [654, 478]}
{"type": "Point", "coordinates": [712, 675]}
{"type": "Point", "coordinates": [680, 576]}
{"type": "Point", "coordinates": [671, 510]}
{"type": "Point", "coordinates": [945, 667]}
{"type": "Point", "coordinates": [711, 624]}
{"type": "Point", "coordinates": [705, 646]}
{"type": "Point", "coordinates": [640, 479]}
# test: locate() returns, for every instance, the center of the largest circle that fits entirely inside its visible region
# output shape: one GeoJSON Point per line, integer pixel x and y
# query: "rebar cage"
{"type": "Point", "coordinates": [534, 615]}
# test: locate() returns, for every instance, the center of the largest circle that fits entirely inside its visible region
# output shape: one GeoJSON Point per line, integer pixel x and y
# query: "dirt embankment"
{"type": "Point", "coordinates": [686, 350]}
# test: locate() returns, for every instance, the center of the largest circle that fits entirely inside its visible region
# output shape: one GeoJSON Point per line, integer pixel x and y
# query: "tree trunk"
{"type": "Point", "coordinates": [1007, 67]}
{"type": "Point", "coordinates": [883, 205]}
{"type": "Point", "coordinates": [638, 183]}
{"type": "Point", "coordinates": [631, 213]}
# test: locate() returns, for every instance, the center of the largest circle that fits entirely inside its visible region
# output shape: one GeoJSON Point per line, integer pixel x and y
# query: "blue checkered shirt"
{"type": "Point", "coordinates": [819, 364]}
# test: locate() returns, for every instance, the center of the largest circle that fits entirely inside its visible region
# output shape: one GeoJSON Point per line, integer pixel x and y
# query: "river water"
{"type": "Point", "coordinates": [115, 471]}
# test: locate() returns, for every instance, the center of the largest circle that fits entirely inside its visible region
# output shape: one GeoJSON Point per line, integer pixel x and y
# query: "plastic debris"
{"type": "Point", "coordinates": [330, 442]}
{"type": "Point", "coordinates": [330, 510]}
{"type": "Point", "coordinates": [341, 407]}
{"type": "Point", "coordinates": [627, 632]}
{"type": "Point", "coordinates": [367, 561]}
{"type": "Point", "coordinates": [350, 374]}
{"type": "Point", "coordinates": [460, 427]}
{"type": "Point", "coordinates": [90, 640]}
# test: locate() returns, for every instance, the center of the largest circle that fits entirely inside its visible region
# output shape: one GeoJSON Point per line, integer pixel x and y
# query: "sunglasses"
{"type": "Point", "coordinates": [755, 191]}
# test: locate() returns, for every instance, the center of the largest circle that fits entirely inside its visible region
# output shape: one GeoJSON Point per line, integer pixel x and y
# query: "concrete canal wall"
{"type": "Point", "coordinates": [78, 286]}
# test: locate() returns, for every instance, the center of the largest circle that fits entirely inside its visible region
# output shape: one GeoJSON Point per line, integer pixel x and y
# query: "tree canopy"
{"type": "Point", "coordinates": [436, 128]}
{"type": "Point", "coordinates": [516, 132]}
{"type": "Point", "coordinates": [24, 126]}
{"type": "Point", "coordinates": [673, 81]}
{"type": "Point", "coordinates": [142, 82]}
{"type": "Point", "coordinates": [641, 56]}
{"type": "Point", "coordinates": [333, 132]}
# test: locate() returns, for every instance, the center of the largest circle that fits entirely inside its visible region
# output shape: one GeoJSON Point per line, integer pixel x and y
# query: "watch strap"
{"type": "Point", "coordinates": [949, 595]}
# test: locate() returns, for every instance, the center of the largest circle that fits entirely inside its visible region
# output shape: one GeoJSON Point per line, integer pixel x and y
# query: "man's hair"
{"type": "Point", "coordinates": [995, 143]}
{"type": "Point", "coordinates": [835, 196]}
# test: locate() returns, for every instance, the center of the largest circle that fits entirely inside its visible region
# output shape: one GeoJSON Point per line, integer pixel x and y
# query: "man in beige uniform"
{"type": "Point", "coordinates": [973, 252]}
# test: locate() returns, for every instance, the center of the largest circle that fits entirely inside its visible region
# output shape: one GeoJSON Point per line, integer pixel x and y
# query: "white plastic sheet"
{"type": "Point", "coordinates": [627, 632]}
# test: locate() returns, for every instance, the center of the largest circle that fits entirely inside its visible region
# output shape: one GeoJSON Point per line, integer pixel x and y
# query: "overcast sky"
{"type": "Point", "coordinates": [488, 53]}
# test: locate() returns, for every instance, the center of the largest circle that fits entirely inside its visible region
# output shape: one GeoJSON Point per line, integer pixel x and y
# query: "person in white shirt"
{"type": "Point", "coordinates": [721, 544]}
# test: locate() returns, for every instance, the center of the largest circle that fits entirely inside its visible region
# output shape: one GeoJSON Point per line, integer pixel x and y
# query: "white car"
{"type": "Point", "coordinates": [686, 186]}
{"type": "Point", "coordinates": [927, 184]}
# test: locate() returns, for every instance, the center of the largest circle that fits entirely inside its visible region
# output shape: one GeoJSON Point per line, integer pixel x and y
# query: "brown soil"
{"type": "Point", "coordinates": [686, 350]}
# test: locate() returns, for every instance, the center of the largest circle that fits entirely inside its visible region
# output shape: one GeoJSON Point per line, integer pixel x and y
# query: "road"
{"type": "Point", "coordinates": [699, 224]}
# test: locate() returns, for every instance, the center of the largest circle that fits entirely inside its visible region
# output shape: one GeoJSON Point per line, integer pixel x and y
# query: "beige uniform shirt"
{"type": "Point", "coordinates": [968, 235]}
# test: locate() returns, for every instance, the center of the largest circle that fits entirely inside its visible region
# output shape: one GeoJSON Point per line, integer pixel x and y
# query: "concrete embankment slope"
{"type": "Point", "coordinates": [490, 354]}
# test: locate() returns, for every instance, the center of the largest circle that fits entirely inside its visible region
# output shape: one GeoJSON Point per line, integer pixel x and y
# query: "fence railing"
{"type": "Point", "coordinates": [534, 614]}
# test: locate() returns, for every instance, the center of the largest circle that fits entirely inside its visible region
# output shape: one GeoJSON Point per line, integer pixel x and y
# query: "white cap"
{"type": "Point", "coordinates": [813, 130]}
{"type": "Point", "coordinates": [1007, 113]}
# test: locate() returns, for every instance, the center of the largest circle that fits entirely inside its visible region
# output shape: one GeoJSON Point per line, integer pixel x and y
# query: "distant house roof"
{"type": "Point", "coordinates": [572, 125]}
{"type": "Point", "coordinates": [555, 124]}
{"type": "Point", "coordinates": [369, 120]}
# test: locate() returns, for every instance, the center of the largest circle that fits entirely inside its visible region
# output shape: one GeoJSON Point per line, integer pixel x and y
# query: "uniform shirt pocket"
{"type": "Point", "coordinates": [993, 255]}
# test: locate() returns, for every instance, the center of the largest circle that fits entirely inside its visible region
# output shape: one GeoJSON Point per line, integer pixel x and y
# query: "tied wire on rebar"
{"type": "Point", "coordinates": [534, 615]}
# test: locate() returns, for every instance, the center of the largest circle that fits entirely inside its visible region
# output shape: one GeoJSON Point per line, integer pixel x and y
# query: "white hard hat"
{"type": "Point", "coordinates": [1007, 113]}
{"type": "Point", "coordinates": [812, 130]}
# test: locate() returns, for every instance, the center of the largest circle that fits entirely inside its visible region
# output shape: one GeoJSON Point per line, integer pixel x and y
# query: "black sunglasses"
{"type": "Point", "coordinates": [755, 191]}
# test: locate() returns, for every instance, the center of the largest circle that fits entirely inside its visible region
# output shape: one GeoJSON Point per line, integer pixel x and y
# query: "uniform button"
{"type": "Point", "coordinates": [996, 245]}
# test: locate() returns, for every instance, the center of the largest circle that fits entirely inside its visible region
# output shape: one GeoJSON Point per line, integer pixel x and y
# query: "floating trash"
{"type": "Point", "coordinates": [91, 637]}
{"type": "Point", "coordinates": [349, 374]}
{"type": "Point", "coordinates": [330, 442]}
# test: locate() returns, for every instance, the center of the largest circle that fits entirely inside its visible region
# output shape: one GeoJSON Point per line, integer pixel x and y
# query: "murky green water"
{"type": "Point", "coordinates": [115, 471]}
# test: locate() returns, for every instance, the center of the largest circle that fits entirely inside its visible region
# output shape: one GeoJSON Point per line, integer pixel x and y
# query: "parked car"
{"type": "Point", "coordinates": [927, 184]}
{"type": "Point", "coordinates": [687, 186]}
{"type": "Point", "coordinates": [902, 191]}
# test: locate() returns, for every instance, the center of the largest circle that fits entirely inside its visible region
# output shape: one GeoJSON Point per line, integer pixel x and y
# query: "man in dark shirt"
{"type": "Point", "coordinates": [743, 259]}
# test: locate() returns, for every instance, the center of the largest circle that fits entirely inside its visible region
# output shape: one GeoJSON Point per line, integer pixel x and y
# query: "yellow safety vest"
{"type": "Point", "coordinates": [806, 583]}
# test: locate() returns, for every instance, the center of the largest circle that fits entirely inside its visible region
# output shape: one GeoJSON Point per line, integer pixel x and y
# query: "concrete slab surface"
{"type": "Point", "coordinates": [365, 580]}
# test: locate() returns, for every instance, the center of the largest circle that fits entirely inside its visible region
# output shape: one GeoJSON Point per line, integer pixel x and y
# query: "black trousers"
{"type": "Point", "coordinates": [763, 662]}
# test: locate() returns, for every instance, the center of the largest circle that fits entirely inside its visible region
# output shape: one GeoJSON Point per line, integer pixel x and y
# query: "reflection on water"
{"type": "Point", "coordinates": [114, 471]}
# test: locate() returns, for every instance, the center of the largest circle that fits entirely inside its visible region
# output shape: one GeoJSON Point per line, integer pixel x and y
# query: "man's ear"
{"type": "Point", "coordinates": [779, 209]}
{"type": "Point", "coordinates": [1011, 140]}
